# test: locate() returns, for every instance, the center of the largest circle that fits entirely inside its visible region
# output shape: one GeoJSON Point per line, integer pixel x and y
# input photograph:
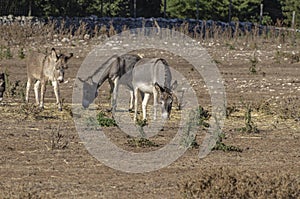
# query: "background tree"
{"type": "Point", "coordinates": [288, 6]}
{"type": "Point", "coordinates": [242, 10]}
{"type": "Point", "coordinates": [148, 8]}
{"type": "Point", "coordinates": [273, 9]}
{"type": "Point", "coordinates": [214, 9]}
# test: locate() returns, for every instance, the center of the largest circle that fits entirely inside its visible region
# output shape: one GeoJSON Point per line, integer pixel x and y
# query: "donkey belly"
{"type": "Point", "coordinates": [145, 88]}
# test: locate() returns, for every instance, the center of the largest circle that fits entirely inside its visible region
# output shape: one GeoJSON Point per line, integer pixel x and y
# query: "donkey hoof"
{"type": "Point", "coordinates": [59, 109]}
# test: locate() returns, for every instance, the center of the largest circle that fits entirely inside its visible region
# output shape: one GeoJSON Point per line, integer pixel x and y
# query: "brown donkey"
{"type": "Point", "coordinates": [43, 68]}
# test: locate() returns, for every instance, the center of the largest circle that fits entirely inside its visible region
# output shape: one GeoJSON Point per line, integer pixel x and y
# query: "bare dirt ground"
{"type": "Point", "coordinates": [42, 156]}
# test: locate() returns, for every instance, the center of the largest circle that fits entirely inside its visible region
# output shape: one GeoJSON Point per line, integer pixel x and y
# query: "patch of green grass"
{"type": "Point", "coordinates": [141, 123]}
{"type": "Point", "coordinates": [141, 142]}
{"type": "Point", "coordinates": [254, 62]}
{"type": "Point", "coordinates": [14, 89]}
{"type": "Point", "coordinates": [103, 120]}
{"type": "Point", "coordinates": [5, 53]}
{"type": "Point", "coordinates": [202, 116]}
{"type": "Point", "coordinates": [197, 118]}
{"type": "Point", "coordinates": [29, 110]}
{"type": "Point", "coordinates": [21, 54]}
{"type": "Point", "coordinates": [250, 126]}
{"type": "Point", "coordinates": [230, 46]}
{"type": "Point", "coordinates": [220, 145]}
{"type": "Point", "coordinates": [8, 53]}
{"type": "Point", "coordinates": [230, 110]}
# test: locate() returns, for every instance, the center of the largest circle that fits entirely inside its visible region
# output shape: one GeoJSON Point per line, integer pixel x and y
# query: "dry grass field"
{"type": "Point", "coordinates": [42, 156]}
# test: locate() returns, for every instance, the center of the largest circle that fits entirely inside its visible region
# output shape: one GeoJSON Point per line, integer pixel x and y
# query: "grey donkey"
{"type": "Point", "coordinates": [117, 70]}
{"type": "Point", "coordinates": [43, 68]}
{"type": "Point", "coordinates": [153, 76]}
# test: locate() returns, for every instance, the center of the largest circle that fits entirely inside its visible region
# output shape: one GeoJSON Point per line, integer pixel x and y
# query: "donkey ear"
{"type": "Point", "coordinates": [158, 87]}
{"type": "Point", "coordinates": [174, 85]}
{"type": "Point", "coordinates": [53, 53]}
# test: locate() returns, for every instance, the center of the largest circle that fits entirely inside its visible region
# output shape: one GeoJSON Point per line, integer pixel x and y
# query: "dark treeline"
{"type": "Point", "coordinates": [243, 10]}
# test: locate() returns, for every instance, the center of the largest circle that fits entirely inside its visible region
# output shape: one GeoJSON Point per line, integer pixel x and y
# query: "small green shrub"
{"type": "Point", "coordinates": [141, 123]}
{"type": "Point", "coordinates": [8, 54]}
{"type": "Point", "coordinates": [250, 127]}
{"type": "Point", "coordinates": [197, 118]}
{"type": "Point", "coordinates": [223, 147]}
{"type": "Point", "coordinates": [202, 116]}
{"type": "Point", "coordinates": [141, 142]}
{"type": "Point", "coordinates": [105, 121]}
{"type": "Point", "coordinates": [253, 62]}
{"type": "Point", "coordinates": [230, 110]}
{"type": "Point", "coordinates": [21, 54]}
{"type": "Point", "coordinates": [58, 140]}
{"type": "Point", "coordinates": [29, 110]}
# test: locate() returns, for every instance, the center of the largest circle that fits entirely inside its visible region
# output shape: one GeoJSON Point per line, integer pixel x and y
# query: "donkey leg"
{"type": "Point", "coordinates": [28, 89]}
{"type": "Point", "coordinates": [57, 94]}
{"type": "Point", "coordinates": [155, 103]}
{"type": "Point", "coordinates": [43, 90]}
{"type": "Point", "coordinates": [131, 101]}
{"type": "Point", "coordinates": [144, 105]}
{"type": "Point", "coordinates": [136, 92]}
{"type": "Point", "coordinates": [115, 94]}
{"type": "Point", "coordinates": [36, 92]}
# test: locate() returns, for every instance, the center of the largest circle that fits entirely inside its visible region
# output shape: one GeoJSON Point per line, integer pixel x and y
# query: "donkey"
{"type": "Point", "coordinates": [2, 85]}
{"type": "Point", "coordinates": [153, 76]}
{"type": "Point", "coordinates": [43, 68]}
{"type": "Point", "coordinates": [114, 68]}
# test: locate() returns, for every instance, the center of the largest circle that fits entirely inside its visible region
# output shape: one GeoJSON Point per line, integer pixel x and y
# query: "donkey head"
{"type": "Point", "coordinates": [90, 91]}
{"type": "Point", "coordinates": [60, 64]}
{"type": "Point", "coordinates": [165, 100]}
{"type": "Point", "coordinates": [2, 85]}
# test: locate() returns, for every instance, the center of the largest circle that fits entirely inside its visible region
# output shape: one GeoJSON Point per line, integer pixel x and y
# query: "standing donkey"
{"type": "Point", "coordinates": [153, 76]}
{"type": "Point", "coordinates": [43, 68]}
{"type": "Point", "coordinates": [117, 70]}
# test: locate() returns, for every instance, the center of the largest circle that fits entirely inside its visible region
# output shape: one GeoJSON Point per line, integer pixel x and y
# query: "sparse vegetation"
{"type": "Point", "coordinates": [141, 123]}
{"type": "Point", "coordinates": [5, 52]}
{"type": "Point", "coordinates": [197, 118]}
{"type": "Point", "coordinates": [58, 140]}
{"type": "Point", "coordinates": [21, 53]}
{"type": "Point", "coordinates": [230, 110]}
{"type": "Point", "coordinates": [14, 89]}
{"type": "Point", "coordinates": [29, 110]}
{"type": "Point", "coordinates": [289, 108]}
{"type": "Point", "coordinates": [103, 120]}
{"type": "Point", "coordinates": [250, 126]}
{"type": "Point", "coordinates": [253, 61]}
{"type": "Point", "coordinates": [220, 145]}
{"type": "Point", "coordinates": [225, 182]}
{"type": "Point", "coordinates": [202, 116]}
{"type": "Point", "coordinates": [26, 130]}
{"type": "Point", "coordinates": [141, 142]}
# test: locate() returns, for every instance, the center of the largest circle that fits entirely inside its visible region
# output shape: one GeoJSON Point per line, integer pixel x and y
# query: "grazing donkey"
{"type": "Point", "coordinates": [114, 68]}
{"type": "Point", "coordinates": [153, 76]}
{"type": "Point", "coordinates": [2, 85]}
{"type": "Point", "coordinates": [42, 68]}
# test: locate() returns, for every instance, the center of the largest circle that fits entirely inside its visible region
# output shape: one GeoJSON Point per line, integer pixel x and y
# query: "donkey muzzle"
{"type": "Point", "coordinates": [60, 79]}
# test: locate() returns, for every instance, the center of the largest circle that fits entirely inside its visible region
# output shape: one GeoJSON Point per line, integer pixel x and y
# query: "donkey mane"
{"type": "Point", "coordinates": [105, 75]}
